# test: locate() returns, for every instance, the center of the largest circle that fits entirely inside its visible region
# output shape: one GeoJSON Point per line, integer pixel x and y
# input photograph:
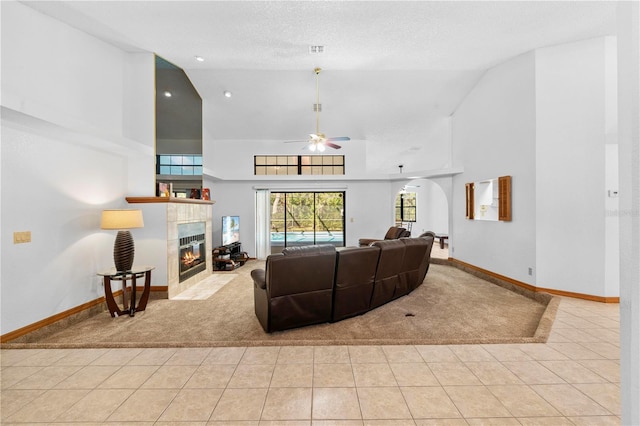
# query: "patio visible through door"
{"type": "Point", "coordinates": [306, 218]}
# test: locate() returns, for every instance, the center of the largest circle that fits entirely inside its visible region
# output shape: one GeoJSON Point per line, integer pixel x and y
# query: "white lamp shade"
{"type": "Point", "coordinates": [121, 219]}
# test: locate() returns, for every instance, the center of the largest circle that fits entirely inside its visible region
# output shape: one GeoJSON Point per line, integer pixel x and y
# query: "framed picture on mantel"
{"type": "Point", "coordinates": [163, 189]}
{"type": "Point", "coordinates": [195, 194]}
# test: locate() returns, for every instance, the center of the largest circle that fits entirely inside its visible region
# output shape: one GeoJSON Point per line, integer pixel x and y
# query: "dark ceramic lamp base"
{"type": "Point", "coordinates": [123, 251]}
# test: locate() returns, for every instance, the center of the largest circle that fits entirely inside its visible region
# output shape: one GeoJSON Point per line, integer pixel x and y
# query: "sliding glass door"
{"type": "Point", "coordinates": [306, 218]}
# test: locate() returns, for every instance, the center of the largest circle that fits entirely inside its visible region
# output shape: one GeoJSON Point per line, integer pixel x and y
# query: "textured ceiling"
{"type": "Point", "coordinates": [393, 72]}
{"type": "Point", "coordinates": [369, 35]}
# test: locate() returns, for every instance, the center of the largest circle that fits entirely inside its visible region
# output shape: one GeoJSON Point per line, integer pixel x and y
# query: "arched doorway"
{"type": "Point", "coordinates": [431, 207]}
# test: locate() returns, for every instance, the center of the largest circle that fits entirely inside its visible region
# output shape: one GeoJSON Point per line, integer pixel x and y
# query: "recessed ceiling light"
{"type": "Point", "coordinates": [227, 94]}
{"type": "Point", "coordinates": [199, 58]}
{"type": "Point", "coordinates": [167, 94]}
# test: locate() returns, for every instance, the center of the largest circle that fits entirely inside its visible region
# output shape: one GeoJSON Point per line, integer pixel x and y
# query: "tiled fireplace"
{"type": "Point", "coordinates": [177, 234]}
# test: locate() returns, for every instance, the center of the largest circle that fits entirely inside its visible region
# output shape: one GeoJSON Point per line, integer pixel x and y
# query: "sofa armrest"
{"type": "Point", "coordinates": [365, 242]}
{"type": "Point", "coordinates": [259, 278]}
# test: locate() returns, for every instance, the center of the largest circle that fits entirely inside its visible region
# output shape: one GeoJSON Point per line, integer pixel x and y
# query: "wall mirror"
{"type": "Point", "coordinates": [489, 199]}
{"type": "Point", "coordinates": [178, 132]}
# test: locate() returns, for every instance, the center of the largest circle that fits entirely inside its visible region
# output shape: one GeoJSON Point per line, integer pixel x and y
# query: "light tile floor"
{"type": "Point", "coordinates": [572, 379]}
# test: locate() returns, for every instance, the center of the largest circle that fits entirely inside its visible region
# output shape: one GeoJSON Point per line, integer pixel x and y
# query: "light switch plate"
{"type": "Point", "coordinates": [21, 237]}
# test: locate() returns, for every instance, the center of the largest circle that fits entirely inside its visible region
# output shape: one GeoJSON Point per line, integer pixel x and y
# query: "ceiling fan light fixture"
{"type": "Point", "coordinates": [321, 147]}
{"type": "Point", "coordinates": [312, 147]}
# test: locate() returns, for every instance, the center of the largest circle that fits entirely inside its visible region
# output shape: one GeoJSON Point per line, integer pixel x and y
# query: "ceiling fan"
{"type": "Point", "coordinates": [318, 141]}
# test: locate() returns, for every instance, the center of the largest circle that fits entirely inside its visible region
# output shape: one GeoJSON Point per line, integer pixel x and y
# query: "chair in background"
{"type": "Point", "coordinates": [427, 234]}
{"type": "Point", "coordinates": [393, 233]}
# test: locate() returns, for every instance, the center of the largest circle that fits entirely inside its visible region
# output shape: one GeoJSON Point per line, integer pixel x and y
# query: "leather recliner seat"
{"type": "Point", "coordinates": [387, 284]}
{"type": "Point", "coordinates": [295, 288]}
{"type": "Point", "coordinates": [355, 276]}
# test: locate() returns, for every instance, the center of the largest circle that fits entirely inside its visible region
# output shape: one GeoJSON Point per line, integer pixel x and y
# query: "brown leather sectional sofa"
{"type": "Point", "coordinates": [316, 284]}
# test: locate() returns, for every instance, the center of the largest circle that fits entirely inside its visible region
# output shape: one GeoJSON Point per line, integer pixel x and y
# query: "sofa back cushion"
{"type": "Point", "coordinates": [299, 285]}
{"type": "Point", "coordinates": [415, 258]}
{"type": "Point", "coordinates": [394, 232]}
{"type": "Point", "coordinates": [388, 271]}
{"type": "Point", "coordinates": [355, 275]}
{"type": "Point", "coordinates": [300, 270]}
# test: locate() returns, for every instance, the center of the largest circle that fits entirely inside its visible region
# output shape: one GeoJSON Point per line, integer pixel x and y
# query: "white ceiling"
{"type": "Point", "coordinates": [358, 35]}
{"type": "Point", "coordinates": [391, 68]}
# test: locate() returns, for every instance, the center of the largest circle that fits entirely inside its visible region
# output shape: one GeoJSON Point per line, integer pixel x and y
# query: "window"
{"type": "Point", "coordinates": [305, 218]}
{"type": "Point", "coordinates": [406, 207]}
{"type": "Point", "coordinates": [298, 165]}
{"type": "Point", "coordinates": [179, 164]}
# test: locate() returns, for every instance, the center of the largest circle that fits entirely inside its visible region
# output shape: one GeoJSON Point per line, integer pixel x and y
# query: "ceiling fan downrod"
{"type": "Point", "coordinates": [317, 71]}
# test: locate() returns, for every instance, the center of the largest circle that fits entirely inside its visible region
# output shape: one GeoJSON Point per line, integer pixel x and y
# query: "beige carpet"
{"type": "Point", "coordinates": [451, 307]}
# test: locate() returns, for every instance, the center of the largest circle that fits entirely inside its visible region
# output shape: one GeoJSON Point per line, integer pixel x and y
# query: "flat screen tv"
{"type": "Point", "coordinates": [230, 229]}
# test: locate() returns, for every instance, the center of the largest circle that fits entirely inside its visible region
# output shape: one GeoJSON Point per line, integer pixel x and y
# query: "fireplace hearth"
{"type": "Point", "coordinates": [192, 249]}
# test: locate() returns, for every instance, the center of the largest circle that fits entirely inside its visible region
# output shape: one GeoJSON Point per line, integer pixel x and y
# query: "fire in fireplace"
{"type": "Point", "coordinates": [192, 253]}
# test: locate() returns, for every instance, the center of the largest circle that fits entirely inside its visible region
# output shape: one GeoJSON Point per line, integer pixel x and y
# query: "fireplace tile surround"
{"type": "Point", "coordinates": [159, 242]}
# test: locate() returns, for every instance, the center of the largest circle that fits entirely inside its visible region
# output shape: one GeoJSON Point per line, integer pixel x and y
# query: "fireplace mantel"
{"type": "Point", "coordinates": [146, 200]}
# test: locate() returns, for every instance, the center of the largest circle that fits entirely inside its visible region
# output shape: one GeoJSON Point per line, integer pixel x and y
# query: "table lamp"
{"type": "Point", "coordinates": [122, 220]}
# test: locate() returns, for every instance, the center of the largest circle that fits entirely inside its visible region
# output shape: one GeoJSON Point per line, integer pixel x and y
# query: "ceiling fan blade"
{"type": "Point", "coordinates": [339, 138]}
{"type": "Point", "coordinates": [332, 145]}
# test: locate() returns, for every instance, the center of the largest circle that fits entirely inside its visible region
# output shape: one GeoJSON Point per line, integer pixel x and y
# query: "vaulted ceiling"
{"type": "Point", "coordinates": [392, 70]}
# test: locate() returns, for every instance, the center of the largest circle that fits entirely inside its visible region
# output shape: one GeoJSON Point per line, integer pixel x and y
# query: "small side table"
{"type": "Point", "coordinates": [135, 272]}
{"type": "Point", "coordinates": [442, 239]}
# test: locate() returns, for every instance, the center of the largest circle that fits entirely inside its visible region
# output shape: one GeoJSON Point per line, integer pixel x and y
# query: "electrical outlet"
{"type": "Point", "coordinates": [22, 237]}
{"type": "Point", "coordinates": [530, 271]}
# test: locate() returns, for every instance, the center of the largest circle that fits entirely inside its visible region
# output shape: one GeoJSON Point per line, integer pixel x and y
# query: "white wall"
{"type": "Point", "coordinates": [570, 167]}
{"type": "Point", "coordinates": [612, 223]}
{"type": "Point", "coordinates": [71, 135]}
{"type": "Point", "coordinates": [233, 159]}
{"type": "Point", "coordinates": [368, 211]}
{"type": "Point", "coordinates": [57, 270]}
{"type": "Point", "coordinates": [139, 121]}
{"type": "Point", "coordinates": [77, 83]}
{"type": "Point", "coordinates": [529, 118]}
{"type": "Point", "coordinates": [60, 74]}
{"type": "Point", "coordinates": [494, 135]}
{"type": "Point", "coordinates": [629, 160]}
